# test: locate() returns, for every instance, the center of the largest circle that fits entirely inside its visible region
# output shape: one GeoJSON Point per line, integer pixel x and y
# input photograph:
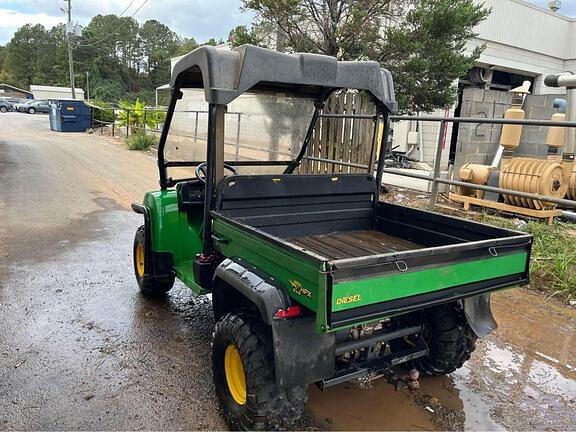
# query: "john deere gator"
{"type": "Point", "coordinates": [313, 278]}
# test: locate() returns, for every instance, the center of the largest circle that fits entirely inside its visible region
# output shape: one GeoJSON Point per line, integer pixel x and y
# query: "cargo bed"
{"type": "Point", "coordinates": [353, 244]}
{"type": "Point", "coordinates": [354, 260]}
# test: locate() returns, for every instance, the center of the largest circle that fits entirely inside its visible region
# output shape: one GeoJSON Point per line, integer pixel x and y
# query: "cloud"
{"type": "Point", "coordinates": [201, 19]}
{"type": "Point", "coordinates": [11, 20]}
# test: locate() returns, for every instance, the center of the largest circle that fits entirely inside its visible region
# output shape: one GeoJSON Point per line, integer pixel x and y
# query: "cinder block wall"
{"type": "Point", "coordinates": [477, 143]}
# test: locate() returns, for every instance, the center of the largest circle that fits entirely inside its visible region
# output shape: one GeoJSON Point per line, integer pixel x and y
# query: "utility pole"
{"type": "Point", "coordinates": [70, 62]}
{"type": "Point", "coordinates": [88, 83]}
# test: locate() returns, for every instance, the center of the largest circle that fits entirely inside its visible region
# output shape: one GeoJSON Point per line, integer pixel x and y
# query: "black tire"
{"type": "Point", "coordinates": [148, 285]}
{"type": "Point", "coordinates": [31, 110]}
{"type": "Point", "coordinates": [3, 109]}
{"type": "Point", "coordinates": [450, 340]}
{"type": "Point", "coordinates": [266, 407]}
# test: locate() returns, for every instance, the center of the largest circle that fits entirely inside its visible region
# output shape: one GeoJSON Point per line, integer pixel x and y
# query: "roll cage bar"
{"type": "Point", "coordinates": [225, 75]}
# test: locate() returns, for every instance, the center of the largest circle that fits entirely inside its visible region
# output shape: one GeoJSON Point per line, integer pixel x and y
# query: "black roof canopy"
{"type": "Point", "coordinates": [226, 74]}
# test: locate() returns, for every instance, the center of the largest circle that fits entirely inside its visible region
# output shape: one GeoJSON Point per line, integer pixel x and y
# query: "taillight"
{"type": "Point", "coordinates": [290, 312]}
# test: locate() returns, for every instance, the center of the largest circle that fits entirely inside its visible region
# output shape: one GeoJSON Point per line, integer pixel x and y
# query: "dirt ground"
{"type": "Point", "coordinates": [81, 349]}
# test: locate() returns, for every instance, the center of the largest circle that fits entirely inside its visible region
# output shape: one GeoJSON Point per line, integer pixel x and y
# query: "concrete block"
{"type": "Point", "coordinates": [531, 150]}
{"type": "Point", "coordinates": [491, 96]}
{"type": "Point", "coordinates": [495, 133]}
{"type": "Point", "coordinates": [482, 109]}
{"type": "Point", "coordinates": [499, 110]}
{"type": "Point", "coordinates": [536, 112]}
{"type": "Point", "coordinates": [504, 97]}
{"type": "Point", "coordinates": [535, 100]}
{"type": "Point", "coordinates": [473, 94]}
{"type": "Point", "coordinates": [466, 108]}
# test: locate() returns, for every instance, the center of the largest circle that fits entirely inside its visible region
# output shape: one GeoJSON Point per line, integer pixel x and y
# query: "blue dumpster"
{"type": "Point", "coordinates": [70, 116]}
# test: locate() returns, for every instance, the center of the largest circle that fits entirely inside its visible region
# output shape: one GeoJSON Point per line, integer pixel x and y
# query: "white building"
{"type": "Point", "coordinates": [51, 92]}
{"type": "Point", "coordinates": [528, 40]}
{"type": "Point", "coordinates": [522, 42]}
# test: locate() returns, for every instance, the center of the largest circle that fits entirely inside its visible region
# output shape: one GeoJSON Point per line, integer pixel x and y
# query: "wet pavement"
{"type": "Point", "coordinates": [81, 349]}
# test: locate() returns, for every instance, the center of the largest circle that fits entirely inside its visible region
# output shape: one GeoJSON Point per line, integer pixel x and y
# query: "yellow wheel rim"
{"type": "Point", "coordinates": [235, 378]}
{"type": "Point", "coordinates": [140, 259]}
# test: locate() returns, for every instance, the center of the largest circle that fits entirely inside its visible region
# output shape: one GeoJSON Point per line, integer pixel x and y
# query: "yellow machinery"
{"type": "Point", "coordinates": [572, 186]}
{"type": "Point", "coordinates": [553, 176]}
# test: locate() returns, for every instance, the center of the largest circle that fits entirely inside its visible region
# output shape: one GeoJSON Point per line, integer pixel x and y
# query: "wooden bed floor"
{"type": "Point", "coordinates": [353, 244]}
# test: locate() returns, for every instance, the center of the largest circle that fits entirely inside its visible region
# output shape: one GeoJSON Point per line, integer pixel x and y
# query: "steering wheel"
{"type": "Point", "coordinates": [201, 171]}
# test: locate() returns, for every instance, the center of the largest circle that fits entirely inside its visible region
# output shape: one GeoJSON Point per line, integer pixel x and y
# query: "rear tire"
{"type": "Point", "coordinates": [3, 109]}
{"type": "Point", "coordinates": [450, 340]}
{"type": "Point", "coordinates": [265, 406]}
{"type": "Point", "coordinates": [148, 285]}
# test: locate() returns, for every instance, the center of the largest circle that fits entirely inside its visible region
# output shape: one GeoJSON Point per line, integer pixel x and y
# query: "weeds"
{"type": "Point", "coordinates": [553, 266]}
{"type": "Point", "coordinates": [141, 141]}
{"type": "Point", "coordinates": [553, 263]}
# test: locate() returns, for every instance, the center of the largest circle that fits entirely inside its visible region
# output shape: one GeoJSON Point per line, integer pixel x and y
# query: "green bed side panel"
{"type": "Point", "coordinates": [299, 277]}
{"type": "Point", "coordinates": [352, 294]}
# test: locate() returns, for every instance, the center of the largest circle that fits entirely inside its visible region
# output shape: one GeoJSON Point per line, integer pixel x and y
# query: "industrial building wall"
{"type": "Point", "coordinates": [522, 38]}
{"type": "Point", "coordinates": [430, 132]}
{"type": "Point", "coordinates": [478, 143]}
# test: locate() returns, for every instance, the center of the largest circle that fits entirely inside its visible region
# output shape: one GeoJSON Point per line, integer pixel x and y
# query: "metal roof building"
{"type": "Point", "coordinates": [9, 91]}
{"type": "Point", "coordinates": [52, 92]}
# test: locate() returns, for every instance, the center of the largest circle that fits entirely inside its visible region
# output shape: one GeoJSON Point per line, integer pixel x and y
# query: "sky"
{"type": "Point", "coordinates": [201, 19]}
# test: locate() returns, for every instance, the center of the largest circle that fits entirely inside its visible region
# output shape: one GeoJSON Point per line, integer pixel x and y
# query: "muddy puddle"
{"type": "Point", "coordinates": [523, 377]}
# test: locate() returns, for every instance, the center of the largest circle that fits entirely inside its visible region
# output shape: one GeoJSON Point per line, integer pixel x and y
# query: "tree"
{"type": "Point", "coordinates": [420, 41]}
{"type": "Point", "coordinates": [241, 35]}
{"type": "Point", "coordinates": [125, 60]}
{"type": "Point", "coordinates": [338, 28]}
{"type": "Point", "coordinates": [24, 52]}
{"type": "Point", "coordinates": [426, 54]}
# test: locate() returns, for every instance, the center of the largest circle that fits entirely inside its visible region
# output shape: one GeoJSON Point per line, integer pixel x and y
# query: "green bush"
{"type": "Point", "coordinates": [137, 116]}
{"type": "Point", "coordinates": [103, 113]}
{"type": "Point", "coordinates": [141, 141]}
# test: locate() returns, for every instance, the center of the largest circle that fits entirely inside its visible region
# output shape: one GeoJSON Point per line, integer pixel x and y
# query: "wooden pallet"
{"type": "Point", "coordinates": [540, 214]}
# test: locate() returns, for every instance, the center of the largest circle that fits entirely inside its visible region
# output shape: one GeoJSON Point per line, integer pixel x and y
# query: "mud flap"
{"type": "Point", "coordinates": [302, 356]}
{"type": "Point", "coordinates": [479, 315]}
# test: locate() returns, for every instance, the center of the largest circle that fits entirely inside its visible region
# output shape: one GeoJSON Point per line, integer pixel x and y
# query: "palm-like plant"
{"type": "Point", "coordinates": [135, 115]}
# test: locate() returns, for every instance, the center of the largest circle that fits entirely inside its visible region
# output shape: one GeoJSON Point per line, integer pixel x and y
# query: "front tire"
{"type": "Point", "coordinates": [243, 367]}
{"type": "Point", "coordinates": [148, 284]}
{"type": "Point", "coordinates": [31, 110]}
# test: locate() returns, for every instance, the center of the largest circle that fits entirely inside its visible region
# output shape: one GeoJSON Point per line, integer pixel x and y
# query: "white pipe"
{"type": "Point", "coordinates": [420, 144]}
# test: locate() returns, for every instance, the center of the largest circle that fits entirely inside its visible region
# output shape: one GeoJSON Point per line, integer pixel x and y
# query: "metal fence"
{"type": "Point", "coordinates": [138, 121]}
{"type": "Point", "coordinates": [437, 180]}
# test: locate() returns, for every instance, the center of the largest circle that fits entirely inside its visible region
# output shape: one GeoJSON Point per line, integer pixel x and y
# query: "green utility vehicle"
{"type": "Point", "coordinates": [312, 278]}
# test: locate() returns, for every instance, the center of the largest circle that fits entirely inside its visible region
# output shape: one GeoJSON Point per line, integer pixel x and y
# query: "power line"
{"type": "Point", "coordinates": [121, 13]}
{"type": "Point", "coordinates": [119, 27]}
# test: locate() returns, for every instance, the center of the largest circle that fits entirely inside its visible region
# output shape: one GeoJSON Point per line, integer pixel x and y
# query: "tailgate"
{"type": "Point", "coordinates": [368, 288]}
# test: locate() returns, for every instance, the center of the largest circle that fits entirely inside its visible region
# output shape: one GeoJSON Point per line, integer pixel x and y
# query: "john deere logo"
{"type": "Point", "coordinates": [299, 289]}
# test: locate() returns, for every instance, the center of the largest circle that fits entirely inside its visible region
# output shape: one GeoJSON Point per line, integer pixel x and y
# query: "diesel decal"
{"type": "Point", "coordinates": [348, 299]}
{"type": "Point", "coordinates": [299, 289]}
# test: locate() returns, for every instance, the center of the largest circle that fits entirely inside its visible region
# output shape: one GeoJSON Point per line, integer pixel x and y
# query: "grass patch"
{"type": "Point", "coordinates": [553, 258]}
{"type": "Point", "coordinates": [141, 141]}
{"type": "Point", "coordinates": [553, 264]}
